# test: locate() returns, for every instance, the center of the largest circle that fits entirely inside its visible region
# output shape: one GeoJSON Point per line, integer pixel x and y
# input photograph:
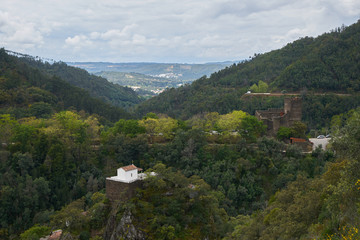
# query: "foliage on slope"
{"type": "Point", "coordinates": [328, 63]}
{"type": "Point", "coordinates": [245, 167]}
{"type": "Point", "coordinates": [96, 86]}
{"type": "Point", "coordinates": [26, 91]}
{"type": "Point", "coordinates": [171, 206]}
{"type": "Point", "coordinates": [167, 206]}
{"type": "Point", "coordinates": [326, 207]}
{"type": "Point", "coordinates": [45, 163]}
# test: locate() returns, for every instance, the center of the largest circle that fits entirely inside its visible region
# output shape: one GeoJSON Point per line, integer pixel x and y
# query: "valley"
{"type": "Point", "coordinates": [150, 79]}
{"type": "Point", "coordinates": [225, 154]}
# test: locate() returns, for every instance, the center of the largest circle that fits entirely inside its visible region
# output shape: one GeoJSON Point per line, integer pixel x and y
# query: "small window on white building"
{"type": "Point", "coordinates": [131, 175]}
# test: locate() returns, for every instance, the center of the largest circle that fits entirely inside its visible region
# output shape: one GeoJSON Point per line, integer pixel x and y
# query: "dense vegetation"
{"type": "Point", "coordinates": [328, 63]}
{"type": "Point", "coordinates": [97, 86]}
{"type": "Point", "coordinates": [47, 163]}
{"type": "Point", "coordinates": [218, 175]}
{"type": "Point", "coordinates": [26, 91]}
{"type": "Point", "coordinates": [325, 207]}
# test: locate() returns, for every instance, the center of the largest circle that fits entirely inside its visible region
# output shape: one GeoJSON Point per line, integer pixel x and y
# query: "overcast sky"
{"type": "Point", "coordinates": [191, 31]}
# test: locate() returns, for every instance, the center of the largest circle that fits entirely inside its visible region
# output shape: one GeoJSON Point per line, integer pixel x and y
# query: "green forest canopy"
{"type": "Point", "coordinates": [326, 64]}
{"type": "Point", "coordinates": [55, 155]}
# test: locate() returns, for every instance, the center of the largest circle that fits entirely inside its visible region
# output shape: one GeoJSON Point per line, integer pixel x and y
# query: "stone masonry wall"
{"type": "Point", "coordinates": [116, 191]}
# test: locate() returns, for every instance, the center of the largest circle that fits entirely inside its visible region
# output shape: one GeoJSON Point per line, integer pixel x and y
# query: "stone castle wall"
{"type": "Point", "coordinates": [296, 110]}
{"type": "Point", "coordinates": [116, 191]}
{"type": "Point", "coordinates": [271, 112]}
{"type": "Point", "coordinates": [276, 118]}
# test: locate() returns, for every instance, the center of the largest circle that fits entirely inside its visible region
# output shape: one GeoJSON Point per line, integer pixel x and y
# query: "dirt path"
{"type": "Point", "coordinates": [293, 94]}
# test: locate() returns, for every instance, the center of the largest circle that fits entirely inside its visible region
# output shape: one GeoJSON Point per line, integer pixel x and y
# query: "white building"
{"type": "Point", "coordinates": [127, 174]}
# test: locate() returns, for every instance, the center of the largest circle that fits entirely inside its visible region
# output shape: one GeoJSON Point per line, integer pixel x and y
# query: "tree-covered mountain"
{"type": "Point", "coordinates": [250, 189]}
{"type": "Point", "coordinates": [48, 163]}
{"type": "Point", "coordinates": [328, 63]}
{"type": "Point", "coordinates": [217, 175]}
{"type": "Point", "coordinates": [324, 207]}
{"type": "Point", "coordinates": [96, 86]}
{"type": "Point", "coordinates": [27, 91]}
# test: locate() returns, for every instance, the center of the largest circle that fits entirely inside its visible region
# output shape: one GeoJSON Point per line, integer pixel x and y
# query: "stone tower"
{"type": "Point", "coordinates": [276, 118]}
{"type": "Point", "coordinates": [293, 108]}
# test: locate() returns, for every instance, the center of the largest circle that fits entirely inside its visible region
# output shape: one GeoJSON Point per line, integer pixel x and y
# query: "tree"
{"type": "Point", "coordinates": [231, 121]}
{"type": "Point", "coordinates": [36, 232]}
{"type": "Point", "coordinates": [346, 139]}
{"type": "Point", "coordinates": [299, 129]}
{"type": "Point", "coordinates": [163, 126]}
{"type": "Point", "coordinates": [284, 133]}
{"type": "Point", "coordinates": [128, 127]}
{"type": "Point", "coordinates": [251, 128]}
{"type": "Point", "coordinates": [254, 88]}
{"type": "Point", "coordinates": [150, 115]}
{"type": "Point", "coordinates": [205, 121]}
{"type": "Point", "coordinates": [70, 217]}
{"type": "Point", "coordinates": [41, 110]}
{"type": "Point", "coordinates": [262, 87]}
{"type": "Point", "coordinates": [7, 123]}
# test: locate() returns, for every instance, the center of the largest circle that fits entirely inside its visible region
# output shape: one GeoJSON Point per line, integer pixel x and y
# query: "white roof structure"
{"type": "Point", "coordinates": [127, 174]}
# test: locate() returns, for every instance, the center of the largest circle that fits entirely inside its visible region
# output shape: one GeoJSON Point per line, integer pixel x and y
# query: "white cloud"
{"type": "Point", "coordinates": [78, 42]}
{"type": "Point", "coordinates": [154, 30]}
{"type": "Point", "coordinates": [19, 34]}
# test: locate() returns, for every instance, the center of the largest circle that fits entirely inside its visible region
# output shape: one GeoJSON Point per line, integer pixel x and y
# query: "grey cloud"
{"type": "Point", "coordinates": [154, 30]}
{"type": "Point", "coordinates": [17, 33]}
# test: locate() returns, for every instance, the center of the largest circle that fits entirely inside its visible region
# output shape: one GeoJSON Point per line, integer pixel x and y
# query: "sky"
{"type": "Point", "coordinates": [176, 31]}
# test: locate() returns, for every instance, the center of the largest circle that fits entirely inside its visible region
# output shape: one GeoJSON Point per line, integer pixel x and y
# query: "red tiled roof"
{"type": "Point", "coordinates": [293, 140]}
{"type": "Point", "coordinates": [131, 167]}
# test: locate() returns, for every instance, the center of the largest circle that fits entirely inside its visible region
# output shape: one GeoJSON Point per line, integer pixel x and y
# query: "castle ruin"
{"type": "Point", "coordinates": [275, 118]}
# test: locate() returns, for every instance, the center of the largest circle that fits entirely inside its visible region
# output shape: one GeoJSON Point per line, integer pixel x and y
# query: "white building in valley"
{"type": "Point", "coordinates": [128, 174]}
{"type": "Point", "coordinates": [123, 186]}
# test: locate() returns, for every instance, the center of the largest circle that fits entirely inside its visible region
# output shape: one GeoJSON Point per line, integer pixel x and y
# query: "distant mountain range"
{"type": "Point", "coordinates": [149, 79]}
{"type": "Point", "coordinates": [179, 71]}
{"type": "Point", "coordinates": [144, 85]}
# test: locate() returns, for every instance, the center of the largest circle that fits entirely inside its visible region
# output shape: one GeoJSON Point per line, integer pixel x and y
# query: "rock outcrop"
{"type": "Point", "coordinates": [123, 229]}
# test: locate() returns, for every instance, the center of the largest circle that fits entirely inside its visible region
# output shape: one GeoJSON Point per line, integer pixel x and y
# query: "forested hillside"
{"type": "Point", "coordinates": [324, 207]}
{"type": "Point", "coordinates": [328, 63]}
{"type": "Point", "coordinates": [218, 174]}
{"type": "Point", "coordinates": [96, 86]}
{"type": "Point", "coordinates": [47, 163]}
{"type": "Point", "coordinates": [27, 91]}
{"type": "Point", "coordinates": [242, 186]}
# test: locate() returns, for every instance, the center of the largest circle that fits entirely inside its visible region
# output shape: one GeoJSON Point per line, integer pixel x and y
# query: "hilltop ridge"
{"type": "Point", "coordinates": [328, 63]}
